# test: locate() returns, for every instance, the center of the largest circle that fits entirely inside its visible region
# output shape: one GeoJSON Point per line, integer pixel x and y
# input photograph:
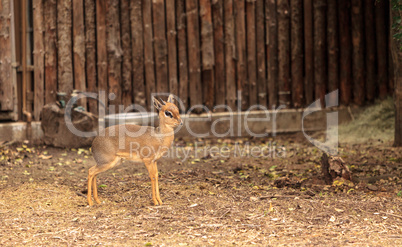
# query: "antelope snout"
{"type": "Point", "coordinates": [181, 122]}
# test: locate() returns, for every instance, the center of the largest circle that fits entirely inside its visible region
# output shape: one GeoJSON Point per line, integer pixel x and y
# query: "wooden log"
{"type": "Point", "coordinates": [64, 45]}
{"type": "Point", "coordinates": [182, 51]}
{"type": "Point", "coordinates": [101, 48]}
{"type": "Point", "coordinates": [193, 39]}
{"type": "Point", "coordinates": [297, 52]}
{"type": "Point", "coordinates": [320, 73]}
{"type": "Point", "coordinates": [148, 52]}
{"type": "Point", "coordinates": [369, 30]}
{"type": "Point", "coordinates": [333, 47]}
{"type": "Point", "coordinates": [207, 53]}
{"type": "Point", "coordinates": [39, 58]}
{"type": "Point", "coordinates": [283, 52]}
{"type": "Point", "coordinates": [219, 49]}
{"type": "Point", "coordinates": [272, 52]}
{"type": "Point", "coordinates": [382, 51]}
{"type": "Point", "coordinates": [137, 39]}
{"type": "Point", "coordinates": [114, 52]}
{"type": "Point", "coordinates": [260, 46]}
{"type": "Point", "coordinates": [50, 21]}
{"type": "Point", "coordinates": [230, 72]}
{"type": "Point", "coordinates": [79, 49]}
{"type": "Point", "coordinates": [127, 90]}
{"type": "Point", "coordinates": [241, 53]}
{"type": "Point", "coordinates": [358, 55]}
{"type": "Point", "coordinates": [251, 54]}
{"type": "Point", "coordinates": [90, 52]}
{"type": "Point", "coordinates": [160, 46]}
{"type": "Point", "coordinates": [345, 51]}
{"type": "Point", "coordinates": [172, 46]}
{"type": "Point", "coordinates": [308, 51]}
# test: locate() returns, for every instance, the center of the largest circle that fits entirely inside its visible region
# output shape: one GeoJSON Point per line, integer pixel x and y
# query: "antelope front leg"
{"type": "Point", "coordinates": [151, 170]}
{"type": "Point", "coordinates": [158, 197]}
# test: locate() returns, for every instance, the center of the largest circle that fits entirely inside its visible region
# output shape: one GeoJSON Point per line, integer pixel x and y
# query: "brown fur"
{"type": "Point", "coordinates": [137, 143]}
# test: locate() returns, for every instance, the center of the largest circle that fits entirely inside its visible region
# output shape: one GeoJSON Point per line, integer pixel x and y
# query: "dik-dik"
{"type": "Point", "coordinates": [148, 146]}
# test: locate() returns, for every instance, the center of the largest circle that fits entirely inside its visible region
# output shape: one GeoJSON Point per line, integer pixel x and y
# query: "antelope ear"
{"type": "Point", "coordinates": [170, 99]}
{"type": "Point", "coordinates": [157, 104]}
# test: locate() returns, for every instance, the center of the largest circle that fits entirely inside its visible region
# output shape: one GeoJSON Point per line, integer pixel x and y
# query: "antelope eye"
{"type": "Point", "coordinates": [168, 114]}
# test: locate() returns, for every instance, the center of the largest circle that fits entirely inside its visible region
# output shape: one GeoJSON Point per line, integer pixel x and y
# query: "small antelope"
{"type": "Point", "coordinates": [150, 145]}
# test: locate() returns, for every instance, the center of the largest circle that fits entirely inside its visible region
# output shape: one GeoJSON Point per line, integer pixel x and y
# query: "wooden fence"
{"type": "Point", "coordinates": [272, 51]}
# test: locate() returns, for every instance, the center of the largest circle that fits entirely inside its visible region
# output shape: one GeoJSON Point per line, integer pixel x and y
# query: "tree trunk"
{"type": "Point", "coordinates": [283, 52]}
{"type": "Point", "coordinates": [137, 32]}
{"type": "Point", "coordinates": [333, 47]}
{"type": "Point", "coordinates": [382, 51]}
{"type": "Point", "coordinates": [79, 49]}
{"type": "Point", "coordinates": [272, 52]}
{"type": "Point", "coordinates": [308, 51]}
{"type": "Point", "coordinates": [182, 51]}
{"type": "Point", "coordinates": [38, 58]}
{"type": "Point", "coordinates": [172, 48]}
{"type": "Point", "coordinates": [345, 52]}
{"type": "Point", "coordinates": [114, 51]}
{"type": "Point", "coordinates": [320, 79]}
{"type": "Point", "coordinates": [160, 46]}
{"type": "Point", "coordinates": [251, 54]}
{"type": "Point", "coordinates": [358, 49]}
{"type": "Point", "coordinates": [260, 46]}
{"type": "Point", "coordinates": [370, 49]}
{"type": "Point", "coordinates": [90, 52]}
{"type": "Point", "coordinates": [148, 51]}
{"type": "Point", "coordinates": [50, 13]}
{"type": "Point", "coordinates": [241, 56]}
{"type": "Point", "coordinates": [229, 55]}
{"type": "Point", "coordinates": [297, 52]}
{"type": "Point", "coordinates": [65, 61]}
{"type": "Point", "coordinates": [396, 50]}
{"type": "Point", "coordinates": [219, 49]}
{"type": "Point", "coordinates": [207, 52]}
{"type": "Point", "coordinates": [193, 39]}
{"type": "Point", "coordinates": [127, 91]}
{"type": "Point", "coordinates": [101, 48]}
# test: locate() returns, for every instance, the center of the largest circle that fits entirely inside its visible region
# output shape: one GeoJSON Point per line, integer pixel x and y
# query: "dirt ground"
{"type": "Point", "coordinates": [209, 199]}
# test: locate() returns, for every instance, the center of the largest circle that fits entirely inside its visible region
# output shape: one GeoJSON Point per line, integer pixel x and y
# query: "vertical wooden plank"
{"type": "Point", "coordinates": [127, 92]}
{"type": "Point", "coordinates": [50, 13]}
{"type": "Point", "coordinates": [79, 48]}
{"type": "Point", "coordinates": [370, 49]}
{"type": "Point", "coordinates": [160, 46]}
{"type": "Point", "coordinates": [148, 51]}
{"type": "Point", "coordinates": [241, 49]}
{"type": "Point", "coordinates": [260, 39]}
{"type": "Point", "coordinates": [6, 89]}
{"type": "Point", "coordinates": [382, 51]}
{"type": "Point", "coordinates": [114, 51]}
{"type": "Point", "coordinates": [320, 73]}
{"type": "Point", "coordinates": [345, 51]}
{"type": "Point", "coordinates": [101, 47]}
{"type": "Point", "coordinates": [283, 52]}
{"type": "Point", "coordinates": [182, 51]}
{"type": "Point", "coordinates": [229, 54]}
{"type": "Point", "coordinates": [219, 51]}
{"type": "Point", "coordinates": [272, 52]}
{"type": "Point", "coordinates": [172, 48]}
{"type": "Point", "coordinates": [296, 38]}
{"type": "Point", "coordinates": [333, 46]}
{"type": "Point", "coordinates": [251, 53]}
{"type": "Point", "coordinates": [207, 53]}
{"type": "Point", "coordinates": [308, 51]}
{"type": "Point", "coordinates": [137, 39]}
{"type": "Point", "coordinates": [193, 39]}
{"type": "Point", "coordinates": [39, 58]}
{"type": "Point", "coordinates": [64, 47]}
{"type": "Point", "coordinates": [358, 49]}
{"type": "Point", "coordinates": [90, 52]}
